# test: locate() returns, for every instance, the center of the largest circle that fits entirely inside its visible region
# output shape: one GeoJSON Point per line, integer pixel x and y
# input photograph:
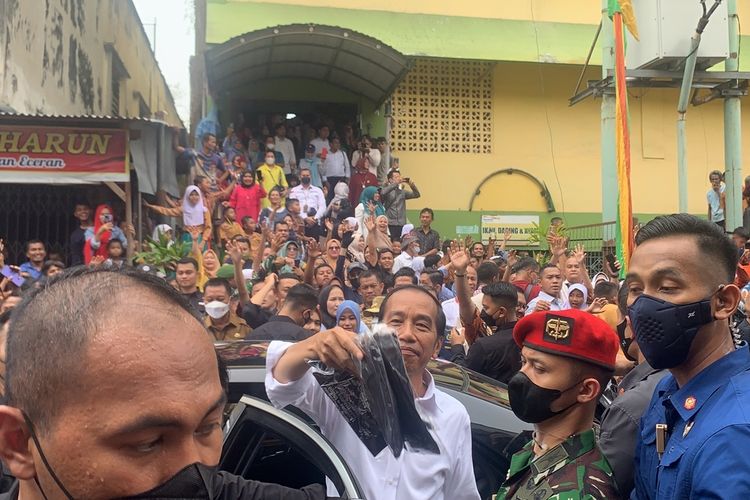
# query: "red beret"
{"type": "Point", "coordinates": [572, 333]}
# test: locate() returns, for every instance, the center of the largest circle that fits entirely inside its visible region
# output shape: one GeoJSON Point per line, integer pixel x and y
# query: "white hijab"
{"type": "Point", "coordinates": [192, 215]}
{"type": "Point", "coordinates": [582, 289]}
{"type": "Point", "coordinates": [160, 230]}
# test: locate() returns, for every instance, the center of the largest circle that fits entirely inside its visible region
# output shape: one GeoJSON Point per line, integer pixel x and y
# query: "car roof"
{"type": "Point", "coordinates": [248, 354]}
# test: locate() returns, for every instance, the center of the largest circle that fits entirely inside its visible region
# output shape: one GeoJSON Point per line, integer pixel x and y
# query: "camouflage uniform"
{"type": "Point", "coordinates": [573, 470]}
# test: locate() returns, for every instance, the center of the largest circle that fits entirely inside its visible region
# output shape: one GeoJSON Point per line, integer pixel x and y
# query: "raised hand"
{"type": "Point", "coordinates": [313, 249]}
{"type": "Point", "coordinates": [558, 246]}
{"type": "Point", "coordinates": [278, 242]}
{"type": "Point", "coordinates": [371, 206]}
{"type": "Point", "coordinates": [460, 260]}
{"type": "Point", "coordinates": [579, 254]}
{"type": "Point", "coordinates": [234, 251]}
{"type": "Point", "coordinates": [468, 242]}
{"type": "Point", "coordinates": [370, 223]}
{"type": "Point", "coordinates": [512, 258]}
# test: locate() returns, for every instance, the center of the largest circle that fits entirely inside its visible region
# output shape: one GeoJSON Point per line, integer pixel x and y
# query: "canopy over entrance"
{"type": "Point", "coordinates": [337, 56]}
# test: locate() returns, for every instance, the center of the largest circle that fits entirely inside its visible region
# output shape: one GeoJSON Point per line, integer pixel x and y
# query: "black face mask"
{"type": "Point", "coordinates": [487, 318]}
{"type": "Point", "coordinates": [665, 331]}
{"type": "Point", "coordinates": [191, 482]}
{"type": "Point", "coordinates": [625, 342]}
{"type": "Point", "coordinates": [530, 402]}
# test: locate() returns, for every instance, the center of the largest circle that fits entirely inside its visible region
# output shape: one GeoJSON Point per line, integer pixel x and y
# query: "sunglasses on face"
{"type": "Point", "coordinates": [334, 248]}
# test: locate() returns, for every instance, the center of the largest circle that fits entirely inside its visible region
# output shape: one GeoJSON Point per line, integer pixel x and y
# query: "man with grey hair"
{"type": "Point", "coordinates": [100, 403]}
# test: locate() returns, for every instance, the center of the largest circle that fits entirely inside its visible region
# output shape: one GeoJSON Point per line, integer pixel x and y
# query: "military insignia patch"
{"type": "Point", "coordinates": [690, 403]}
{"type": "Point", "coordinates": [558, 329]}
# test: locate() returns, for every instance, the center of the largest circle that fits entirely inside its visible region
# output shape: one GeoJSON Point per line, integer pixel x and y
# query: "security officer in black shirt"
{"type": "Point", "coordinates": [113, 390]}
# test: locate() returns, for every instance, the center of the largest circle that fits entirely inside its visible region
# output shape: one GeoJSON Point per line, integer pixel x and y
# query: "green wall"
{"type": "Point", "coordinates": [447, 221]}
{"type": "Point", "coordinates": [426, 34]}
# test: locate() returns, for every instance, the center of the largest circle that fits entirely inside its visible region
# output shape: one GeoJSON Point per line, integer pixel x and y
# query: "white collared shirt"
{"type": "Point", "coordinates": [413, 475]}
{"type": "Point", "coordinates": [309, 197]}
{"type": "Point", "coordinates": [286, 148]}
{"type": "Point", "coordinates": [406, 260]}
{"type": "Point", "coordinates": [337, 165]}
{"type": "Point", "coordinates": [555, 303]}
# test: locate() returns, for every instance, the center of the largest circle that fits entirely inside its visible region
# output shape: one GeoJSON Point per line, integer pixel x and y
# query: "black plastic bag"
{"type": "Point", "coordinates": [378, 402]}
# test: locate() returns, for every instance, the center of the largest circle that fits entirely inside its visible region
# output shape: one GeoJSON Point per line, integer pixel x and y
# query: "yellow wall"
{"type": "Point", "coordinates": [64, 67]}
{"type": "Point", "coordinates": [564, 11]}
{"type": "Point", "coordinates": [522, 107]}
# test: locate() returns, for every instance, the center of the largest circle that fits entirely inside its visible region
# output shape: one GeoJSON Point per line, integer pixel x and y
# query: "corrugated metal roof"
{"type": "Point", "coordinates": [100, 118]}
{"type": "Point", "coordinates": [338, 56]}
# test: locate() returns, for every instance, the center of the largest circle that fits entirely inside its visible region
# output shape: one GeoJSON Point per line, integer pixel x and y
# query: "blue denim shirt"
{"type": "Point", "coordinates": [707, 449]}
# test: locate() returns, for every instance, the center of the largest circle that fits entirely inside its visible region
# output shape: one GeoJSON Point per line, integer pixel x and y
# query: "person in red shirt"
{"type": "Point", "coordinates": [361, 179]}
{"type": "Point", "coordinates": [246, 197]}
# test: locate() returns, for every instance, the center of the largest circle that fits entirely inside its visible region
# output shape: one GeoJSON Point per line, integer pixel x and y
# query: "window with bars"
{"type": "Point", "coordinates": [115, 93]}
{"type": "Point", "coordinates": [118, 74]}
{"type": "Point", "coordinates": [444, 106]}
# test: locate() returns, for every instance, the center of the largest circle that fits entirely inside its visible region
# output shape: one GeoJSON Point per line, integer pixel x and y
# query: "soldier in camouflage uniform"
{"type": "Point", "coordinates": [567, 359]}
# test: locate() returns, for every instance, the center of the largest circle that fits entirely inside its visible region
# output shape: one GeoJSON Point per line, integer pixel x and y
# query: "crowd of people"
{"type": "Point", "coordinates": [309, 255]}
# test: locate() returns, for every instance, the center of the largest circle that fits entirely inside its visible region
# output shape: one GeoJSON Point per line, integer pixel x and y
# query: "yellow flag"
{"type": "Point", "coordinates": [628, 17]}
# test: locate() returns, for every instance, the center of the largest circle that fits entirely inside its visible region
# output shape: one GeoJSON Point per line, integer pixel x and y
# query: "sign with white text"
{"type": "Point", "coordinates": [63, 155]}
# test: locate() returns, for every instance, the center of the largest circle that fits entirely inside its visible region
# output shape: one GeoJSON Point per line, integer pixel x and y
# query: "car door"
{"type": "Point", "coordinates": [267, 444]}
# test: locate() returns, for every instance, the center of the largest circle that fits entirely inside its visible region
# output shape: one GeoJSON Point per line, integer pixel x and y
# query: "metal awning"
{"type": "Point", "coordinates": [340, 57]}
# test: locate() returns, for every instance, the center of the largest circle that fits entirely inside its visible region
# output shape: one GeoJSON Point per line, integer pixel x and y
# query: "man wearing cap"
{"type": "Point", "coordinates": [409, 256]}
{"type": "Point", "coordinates": [567, 358]}
{"type": "Point", "coordinates": [221, 322]}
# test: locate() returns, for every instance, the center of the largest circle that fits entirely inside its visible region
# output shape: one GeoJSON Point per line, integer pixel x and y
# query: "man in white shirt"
{"type": "Point", "coordinates": [409, 256]}
{"type": "Point", "coordinates": [286, 148]}
{"type": "Point", "coordinates": [549, 298]}
{"type": "Point", "coordinates": [336, 167]}
{"type": "Point", "coordinates": [310, 198]}
{"type": "Point", "coordinates": [322, 146]}
{"type": "Point", "coordinates": [417, 318]}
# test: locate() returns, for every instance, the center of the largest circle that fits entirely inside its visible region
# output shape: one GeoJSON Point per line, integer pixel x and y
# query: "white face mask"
{"type": "Point", "coordinates": [270, 161]}
{"type": "Point", "coordinates": [270, 146]}
{"type": "Point", "coordinates": [217, 309]}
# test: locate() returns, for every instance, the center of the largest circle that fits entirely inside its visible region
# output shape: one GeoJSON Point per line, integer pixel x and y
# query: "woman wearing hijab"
{"type": "Point", "coordinates": [369, 205]}
{"type": "Point", "coordinates": [578, 296]}
{"type": "Point", "coordinates": [163, 231]}
{"type": "Point", "coordinates": [98, 237]}
{"type": "Point", "coordinates": [328, 303]}
{"type": "Point", "coordinates": [247, 196]}
{"type": "Point", "coordinates": [357, 248]}
{"type": "Point", "coordinates": [335, 208]}
{"type": "Point", "coordinates": [348, 316]}
{"type": "Point", "coordinates": [195, 216]}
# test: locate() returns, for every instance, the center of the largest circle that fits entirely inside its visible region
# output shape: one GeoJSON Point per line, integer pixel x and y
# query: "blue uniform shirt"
{"type": "Point", "coordinates": [707, 451]}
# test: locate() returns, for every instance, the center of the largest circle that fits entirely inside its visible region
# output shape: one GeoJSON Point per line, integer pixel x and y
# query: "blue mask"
{"type": "Point", "coordinates": [665, 331]}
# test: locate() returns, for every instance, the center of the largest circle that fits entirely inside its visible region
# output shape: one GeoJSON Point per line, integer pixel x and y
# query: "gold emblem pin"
{"type": "Point", "coordinates": [557, 328]}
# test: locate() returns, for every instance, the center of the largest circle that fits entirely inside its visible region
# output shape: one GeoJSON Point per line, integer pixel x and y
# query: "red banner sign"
{"type": "Point", "coordinates": [63, 155]}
